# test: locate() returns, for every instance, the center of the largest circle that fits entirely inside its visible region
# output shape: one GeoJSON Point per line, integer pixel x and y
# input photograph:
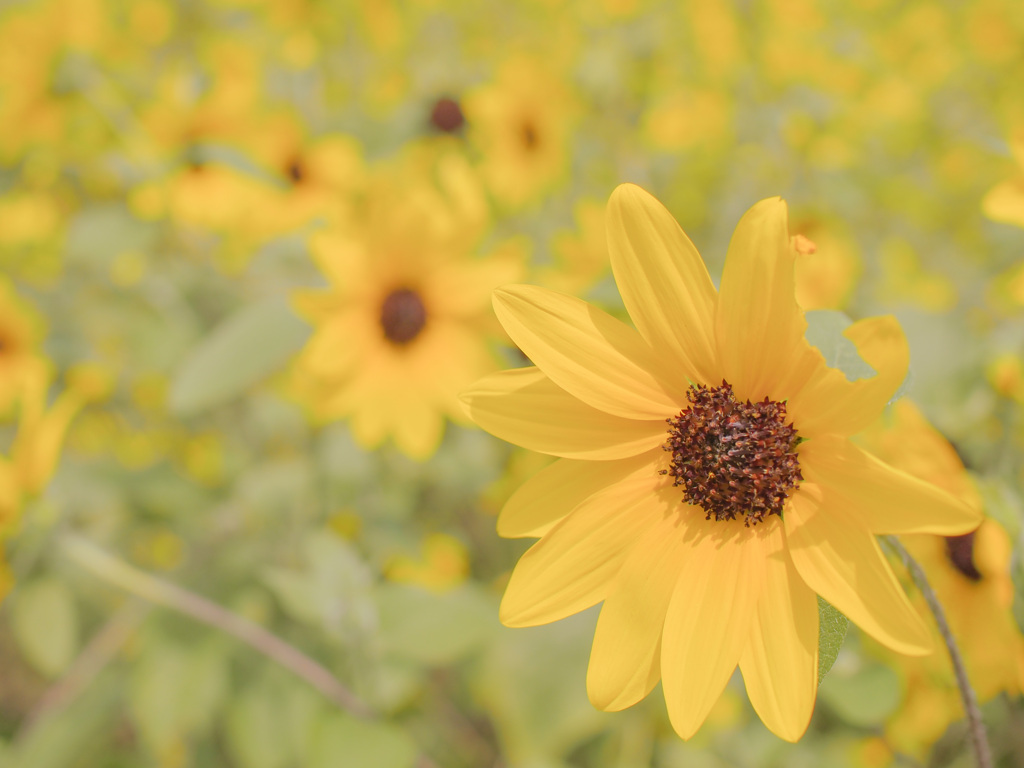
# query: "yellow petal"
{"type": "Point", "coordinates": [587, 352]}
{"type": "Point", "coordinates": [524, 407]}
{"type": "Point", "coordinates": [829, 403]}
{"type": "Point", "coordinates": [418, 428]}
{"type": "Point", "coordinates": [1005, 202]}
{"type": "Point", "coordinates": [574, 565]}
{"type": "Point", "coordinates": [625, 659]}
{"type": "Point", "coordinates": [558, 489]}
{"type": "Point", "coordinates": [710, 614]}
{"type": "Point", "coordinates": [881, 498]}
{"type": "Point", "coordinates": [841, 561]}
{"type": "Point", "coordinates": [663, 281]}
{"type": "Point", "coordinates": [759, 324]}
{"type": "Point", "coordinates": [780, 662]}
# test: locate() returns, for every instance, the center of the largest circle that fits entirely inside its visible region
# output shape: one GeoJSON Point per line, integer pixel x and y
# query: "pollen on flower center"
{"type": "Point", "coordinates": [402, 316]}
{"type": "Point", "coordinates": [733, 459]}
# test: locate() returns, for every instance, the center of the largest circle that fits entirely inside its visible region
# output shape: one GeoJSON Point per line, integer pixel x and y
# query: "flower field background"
{"type": "Point", "coordinates": [247, 253]}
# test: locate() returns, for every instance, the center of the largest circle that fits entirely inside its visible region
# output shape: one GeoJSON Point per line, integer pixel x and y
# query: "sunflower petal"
{"type": "Point", "coordinates": [829, 403]}
{"type": "Point", "coordinates": [663, 281]}
{"type": "Point", "coordinates": [625, 659]}
{"type": "Point", "coordinates": [780, 662]}
{"type": "Point", "coordinates": [558, 489]}
{"type": "Point", "coordinates": [574, 565]}
{"type": "Point", "coordinates": [883, 499]}
{"type": "Point", "coordinates": [709, 616]}
{"type": "Point", "coordinates": [587, 352]}
{"type": "Point", "coordinates": [759, 325]}
{"type": "Point", "coordinates": [524, 407]}
{"type": "Point", "coordinates": [840, 560]}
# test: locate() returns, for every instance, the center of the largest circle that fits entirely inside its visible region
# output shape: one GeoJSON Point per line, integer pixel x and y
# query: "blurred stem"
{"type": "Point", "coordinates": [103, 646]}
{"type": "Point", "coordinates": [982, 751]}
{"type": "Point", "coordinates": [119, 573]}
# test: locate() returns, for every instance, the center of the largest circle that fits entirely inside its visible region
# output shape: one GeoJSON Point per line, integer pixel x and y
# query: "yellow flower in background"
{"type": "Point", "coordinates": [1005, 201]}
{"type": "Point", "coordinates": [581, 257]}
{"type": "Point", "coordinates": [22, 365]}
{"type": "Point", "coordinates": [706, 488]}
{"type": "Point", "coordinates": [520, 123]}
{"type": "Point", "coordinates": [404, 325]}
{"type": "Point", "coordinates": [969, 573]}
{"type": "Point", "coordinates": [829, 264]}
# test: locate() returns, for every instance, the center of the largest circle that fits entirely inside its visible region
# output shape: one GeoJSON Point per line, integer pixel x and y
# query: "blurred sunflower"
{"type": "Point", "coordinates": [1005, 201]}
{"type": "Point", "coordinates": [404, 325]}
{"type": "Point", "coordinates": [707, 539]}
{"type": "Point", "coordinates": [520, 123]}
{"type": "Point", "coordinates": [969, 573]}
{"type": "Point", "coordinates": [21, 364]}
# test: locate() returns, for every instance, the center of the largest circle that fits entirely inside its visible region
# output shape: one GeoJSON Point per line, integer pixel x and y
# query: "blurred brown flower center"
{"type": "Point", "coordinates": [402, 316]}
{"type": "Point", "coordinates": [447, 115]}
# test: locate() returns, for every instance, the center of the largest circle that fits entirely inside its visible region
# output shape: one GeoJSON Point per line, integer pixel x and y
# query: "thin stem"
{"type": "Point", "coordinates": [103, 646]}
{"type": "Point", "coordinates": [145, 585]}
{"type": "Point", "coordinates": [982, 751]}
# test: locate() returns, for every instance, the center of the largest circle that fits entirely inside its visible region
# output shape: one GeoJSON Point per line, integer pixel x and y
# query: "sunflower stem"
{"type": "Point", "coordinates": [979, 740]}
{"type": "Point", "coordinates": [105, 566]}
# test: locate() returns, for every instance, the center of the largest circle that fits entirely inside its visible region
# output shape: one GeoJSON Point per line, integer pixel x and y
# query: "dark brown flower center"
{"type": "Point", "coordinates": [295, 170]}
{"type": "Point", "coordinates": [402, 316]}
{"type": "Point", "coordinates": [447, 115]}
{"type": "Point", "coordinates": [960, 551]}
{"type": "Point", "coordinates": [733, 459]}
{"type": "Point", "coordinates": [529, 136]}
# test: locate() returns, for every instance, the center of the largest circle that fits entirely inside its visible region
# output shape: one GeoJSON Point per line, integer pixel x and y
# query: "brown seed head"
{"type": "Point", "coordinates": [733, 459]}
{"type": "Point", "coordinates": [402, 316]}
{"type": "Point", "coordinates": [447, 115]}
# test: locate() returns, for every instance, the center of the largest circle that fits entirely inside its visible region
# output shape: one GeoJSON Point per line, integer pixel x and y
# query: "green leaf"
{"type": "Point", "coordinates": [863, 697]}
{"type": "Point", "coordinates": [832, 627]}
{"type": "Point", "coordinates": [242, 351]}
{"type": "Point", "coordinates": [257, 733]}
{"type": "Point", "coordinates": [341, 741]}
{"type": "Point", "coordinates": [430, 628]}
{"type": "Point", "coordinates": [157, 696]}
{"type": "Point", "coordinates": [45, 618]}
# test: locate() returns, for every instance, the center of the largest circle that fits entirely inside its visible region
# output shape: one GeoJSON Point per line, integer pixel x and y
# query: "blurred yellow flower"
{"type": "Point", "coordinates": [1005, 201]}
{"type": "Point", "coordinates": [969, 573]}
{"type": "Point", "coordinates": [444, 564]}
{"type": "Point", "coordinates": [21, 363]}
{"type": "Point", "coordinates": [404, 325]}
{"type": "Point", "coordinates": [828, 267]}
{"type": "Point", "coordinates": [680, 529]}
{"type": "Point", "coordinates": [520, 123]}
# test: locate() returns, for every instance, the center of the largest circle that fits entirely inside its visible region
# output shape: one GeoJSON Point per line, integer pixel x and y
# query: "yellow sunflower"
{"type": "Point", "coordinates": [404, 325]}
{"type": "Point", "coordinates": [706, 488]}
{"type": "Point", "coordinates": [969, 573]}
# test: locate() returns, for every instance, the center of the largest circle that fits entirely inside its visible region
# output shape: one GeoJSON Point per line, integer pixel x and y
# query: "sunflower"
{"type": "Point", "coordinates": [521, 123]}
{"type": "Point", "coordinates": [969, 573]}
{"type": "Point", "coordinates": [404, 325]}
{"type": "Point", "coordinates": [706, 488]}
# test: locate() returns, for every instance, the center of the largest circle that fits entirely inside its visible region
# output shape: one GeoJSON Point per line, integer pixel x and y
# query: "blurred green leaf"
{"type": "Point", "coordinates": [431, 628]}
{"type": "Point", "coordinates": [341, 741]}
{"type": "Point", "coordinates": [257, 734]}
{"type": "Point", "coordinates": [158, 695]}
{"type": "Point", "coordinates": [332, 592]}
{"type": "Point", "coordinates": [864, 696]}
{"type": "Point", "coordinates": [240, 352]}
{"type": "Point", "coordinates": [832, 628]}
{"type": "Point", "coordinates": [532, 682]}
{"type": "Point", "coordinates": [46, 626]}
